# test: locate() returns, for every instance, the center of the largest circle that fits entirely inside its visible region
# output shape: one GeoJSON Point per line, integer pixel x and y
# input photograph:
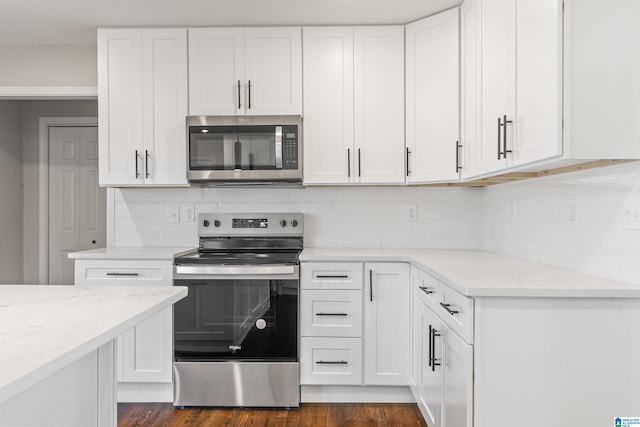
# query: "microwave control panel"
{"type": "Point", "coordinates": [290, 147]}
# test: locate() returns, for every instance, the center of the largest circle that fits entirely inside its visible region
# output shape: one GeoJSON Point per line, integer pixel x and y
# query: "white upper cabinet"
{"type": "Point", "coordinates": [237, 71]}
{"type": "Point", "coordinates": [518, 85]}
{"type": "Point", "coordinates": [353, 105]}
{"type": "Point", "coordinates": [520, 82]}
{"type": "Point", "coordinates": [328, 105]}
{"type": "Point", "coordinates": [549, 88]}
{"type": "Point", "coordinates": [379, 105]}
{"type": "Point", "coordinates": [432, 91]}
{"type": "Point", "coordinates": [142, 105]}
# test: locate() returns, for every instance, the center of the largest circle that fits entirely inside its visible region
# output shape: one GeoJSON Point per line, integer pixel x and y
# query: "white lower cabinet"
{"type": "Point", "coordinates": [144, 353]}
{"type": "Point", "coordinates": [442, 361]}
{"type": "Point", "coordinates": [354, 330]}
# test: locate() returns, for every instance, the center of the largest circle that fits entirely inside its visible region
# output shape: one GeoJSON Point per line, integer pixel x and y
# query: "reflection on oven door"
{"type": "Point", "coordinates": [244, 319]}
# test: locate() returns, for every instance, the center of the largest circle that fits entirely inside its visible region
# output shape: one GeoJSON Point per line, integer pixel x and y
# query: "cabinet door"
{"type": "Point", "coordinates": [497, 84]}
{"type": "Point", "coordinates": [457, 388]}
{"type": "Point", "coordinates": [416, 334]}
{"type": "Point", "coordinates": [431, 374]}
{"type": "Point", "coordinates": [433, 97]}
{"type": "Point", "coordinates": [328, 105]}
{"type": "Point", "coordinates": [164, 67]}
{"type": "Point", "coordinates": [273, 71]}
{"type": "Point", "coordinates": [469, 84]}
{"type": "Point", "coordinates": [379, 104]}
{"type": "Point", "coordinates": [538, 81]}
{"type": "Point", "coordinates": [147, 350]}
{"type": "Point", "coordinates": [386, 324]}
{"type": "Point", "coordinates": [216, 71]}
{"type": "Point", "coordinates": [120, 106]}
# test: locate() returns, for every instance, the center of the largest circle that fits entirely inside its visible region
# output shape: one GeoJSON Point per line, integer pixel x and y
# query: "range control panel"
{"type": "Point", "coordinates": [250, 224]}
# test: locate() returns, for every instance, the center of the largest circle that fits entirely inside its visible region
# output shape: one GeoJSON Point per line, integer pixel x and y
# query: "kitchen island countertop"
{"type": "Point", "coordinates": [44, 328]}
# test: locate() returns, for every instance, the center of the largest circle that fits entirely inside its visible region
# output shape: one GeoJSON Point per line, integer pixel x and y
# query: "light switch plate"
{"type": "Point", "coordinates": [174, 214]}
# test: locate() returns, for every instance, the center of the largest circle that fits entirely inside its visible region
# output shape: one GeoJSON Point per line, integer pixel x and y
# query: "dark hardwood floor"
{"type": "Point", "coordinates": [308, 415]}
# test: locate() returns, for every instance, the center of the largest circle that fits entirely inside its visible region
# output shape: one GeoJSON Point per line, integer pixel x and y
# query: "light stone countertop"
{"type": "Point", "coordinates": [45, 328]}
{"type": "Point", "coordinates": [134, 252]}
{"type": "Point", "coordinates": [486, 274]}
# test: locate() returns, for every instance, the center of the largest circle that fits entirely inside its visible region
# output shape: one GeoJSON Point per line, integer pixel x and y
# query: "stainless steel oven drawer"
{"type": "Point", "coordinates": [232, 384]}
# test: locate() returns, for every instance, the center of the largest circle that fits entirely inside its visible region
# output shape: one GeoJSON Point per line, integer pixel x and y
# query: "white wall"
{"type": "Point", "coordinates": [541, 228]}
{"type": "Point", "coordinates": [31, 113]}
{"type": "Point", "coordinates": [10, 192]}
{"type": "Point", "coordinates": [371, 217]}
{"type": "Point", "coordinates": [40, 66]}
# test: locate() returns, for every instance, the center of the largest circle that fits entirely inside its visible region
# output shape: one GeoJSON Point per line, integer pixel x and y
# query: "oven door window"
{"type": "Point", "coordinates": [237, 320]}
{"type": "Point", "coordinates": [232, 148]}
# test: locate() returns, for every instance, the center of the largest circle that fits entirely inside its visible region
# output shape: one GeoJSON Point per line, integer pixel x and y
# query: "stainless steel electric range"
{"type": "Point", "coordinates": [236, 333]}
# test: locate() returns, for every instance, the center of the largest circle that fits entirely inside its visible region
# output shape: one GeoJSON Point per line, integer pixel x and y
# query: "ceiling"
{"type": "Point", "coordinates": [74, 22]}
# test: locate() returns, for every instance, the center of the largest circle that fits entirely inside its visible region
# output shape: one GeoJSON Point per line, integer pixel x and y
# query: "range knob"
{"type": "Point", "coordinates": [283, 222]}
{"type": "Point", "coordinates": [216, 223]}
{"type": "Point", "coordinates": [205, 223]}
{"type": "Point", "coordinates": [294, 223]}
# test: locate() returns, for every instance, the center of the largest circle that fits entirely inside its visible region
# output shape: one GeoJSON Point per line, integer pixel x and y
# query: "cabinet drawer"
{"type": "Point", "coordinates": [330, 313]}
{"type": "Point", "coordinates": [429, 290]}
{"type": "Point", "coordinates": [457, 311]}
{"type": "Point", "coordinates": [339, 275]}
{"type": "Point", "coordinates": [123, 272]}
{"type": "Point", "coordinates": [336, 361]}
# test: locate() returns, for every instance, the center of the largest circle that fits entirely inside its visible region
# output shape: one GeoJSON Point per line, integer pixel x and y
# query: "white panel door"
{"type": "Point", "coordinates": [273, 71]}
{"type": "Point", "coordinates": [216, 71]}
{"type": "Point", "coordinates": [77, 205]}
{"type": "Point", "coordinates": [328, 105]}
{"type": "Point", "coordinates": [433, 97]}
{"type": "Point", "coordinates": [497, 85]}
{"type": "Point", "coordinates": [164, 67]}
{"type": "Point", "coordinates": [379, 104]}
{"type": "Point", "coordinates": [120, 106]}
{"type": "Point", "coordinates": [538, 81]}
{"type": "Point", "coordinates": [386, 324]}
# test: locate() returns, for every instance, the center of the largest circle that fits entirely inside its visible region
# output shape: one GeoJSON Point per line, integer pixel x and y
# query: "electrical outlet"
{"type": "Point", "coordinates": [412, 212]}
{"type": "Point", "coordinates": [174, 215]}
{"type": "Point", "coordinates": [187, 213]}
{"type": "Point", "coordinates": [631, 214]}
{"type": "Point", "coordinates": [573, 211]}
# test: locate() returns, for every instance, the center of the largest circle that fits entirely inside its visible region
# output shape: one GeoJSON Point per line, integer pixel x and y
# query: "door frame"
{"type": "Point", "coordinates": [43, 186]}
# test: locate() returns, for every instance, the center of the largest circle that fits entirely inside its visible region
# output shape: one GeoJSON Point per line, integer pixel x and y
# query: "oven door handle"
{"type": "Point", "coordinates": [236, 270]}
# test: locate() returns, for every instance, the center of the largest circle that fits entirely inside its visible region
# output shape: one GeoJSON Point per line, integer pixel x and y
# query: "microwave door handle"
{"type": "Point", "coordinates": [278, 143]}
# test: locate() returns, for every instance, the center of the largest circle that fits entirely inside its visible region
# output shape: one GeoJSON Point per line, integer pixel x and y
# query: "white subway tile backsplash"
{"type": "Point", "coordinates": [334, 216]}
{"type": "Point", "coordinates": [543, 230]}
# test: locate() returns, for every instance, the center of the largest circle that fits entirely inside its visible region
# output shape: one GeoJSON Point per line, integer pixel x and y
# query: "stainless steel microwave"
{"type": "Point", "coordinates": [244, 149]}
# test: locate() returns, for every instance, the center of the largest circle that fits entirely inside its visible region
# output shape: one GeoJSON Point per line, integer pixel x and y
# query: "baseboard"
{"type": "Point", "coordinates": [145, 392]}
{"type": "Point", "coordinates": [355, 394]}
